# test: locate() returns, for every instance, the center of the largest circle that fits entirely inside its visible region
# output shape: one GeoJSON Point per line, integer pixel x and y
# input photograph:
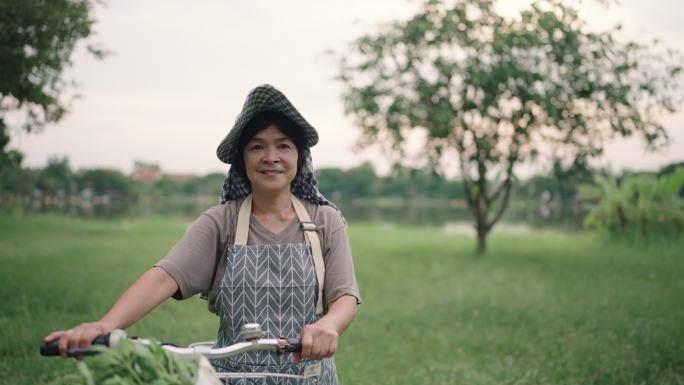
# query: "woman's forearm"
{"type": "Point", "coordinates": [148, 292]}
{"type": "Point", "coordinates": [151, 289]}
{"type": "Point", "coordinates": [340, 314]}
{"type": "Point", "coordinates": [320, 338]}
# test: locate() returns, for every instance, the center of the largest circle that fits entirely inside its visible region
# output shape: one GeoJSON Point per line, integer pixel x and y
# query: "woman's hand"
{"type": "Point", "coordinates": [318, 341]}
{"type": "Point", "coordinates": [80, 336]}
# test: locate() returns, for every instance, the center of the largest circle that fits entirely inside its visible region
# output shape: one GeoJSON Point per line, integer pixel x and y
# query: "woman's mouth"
{"type": "Point", "coordinates": [271, 172]}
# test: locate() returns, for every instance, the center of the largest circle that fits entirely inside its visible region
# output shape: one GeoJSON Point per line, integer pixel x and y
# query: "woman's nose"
{"type": "Point", "coordinates": [271, 155]}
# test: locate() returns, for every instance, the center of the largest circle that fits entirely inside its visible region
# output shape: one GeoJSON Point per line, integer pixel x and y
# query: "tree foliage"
{"type": "Point", "coordinates": [56, 176]}
{"type": "Point", "coordinates": [404, 182]}
{"type": "Point", "coordinates": [106, 181]}
{"type": "Point", "coordinates": [37, 39]}
{"type": "Point", "coordinates": [58, 187]}
{"type": "Point", "coordinates": [488, 93]}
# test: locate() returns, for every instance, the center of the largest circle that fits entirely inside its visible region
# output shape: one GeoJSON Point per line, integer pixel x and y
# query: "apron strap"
{"type": "Point", "coordinates": [310, 235]}
{"type": "Point", "coordinates": [312, 239]}
{"type": "Point", "coordinates": [242, 229]}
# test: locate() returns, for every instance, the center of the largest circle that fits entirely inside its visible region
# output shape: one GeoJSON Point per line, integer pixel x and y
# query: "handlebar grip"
{"type": "Point", "coordinates": [102, 339]}
{"type": "Point", "coordinates": [108, 339]}
{"type": "Point", "coordinates": [50, 348]}
{"type": "Point", "coordinates": [294, 345]}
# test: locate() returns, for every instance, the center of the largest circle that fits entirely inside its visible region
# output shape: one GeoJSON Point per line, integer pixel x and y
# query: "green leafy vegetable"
{"type": "Point", "coordinates": [132, 363]}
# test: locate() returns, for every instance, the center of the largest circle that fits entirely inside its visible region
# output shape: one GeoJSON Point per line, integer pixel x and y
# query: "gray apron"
{"type": "Point", "coordinates": [275, 286]}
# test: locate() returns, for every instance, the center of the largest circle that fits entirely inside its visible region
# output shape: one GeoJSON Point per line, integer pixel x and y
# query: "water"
{"type": "Point", "coordinates": [453, 216]}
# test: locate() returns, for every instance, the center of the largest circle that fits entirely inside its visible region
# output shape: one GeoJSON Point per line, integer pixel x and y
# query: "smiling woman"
{"type": "Point", "coordinates": [274, 252]}
{"type": "Point", "coordinates": [276, 270]}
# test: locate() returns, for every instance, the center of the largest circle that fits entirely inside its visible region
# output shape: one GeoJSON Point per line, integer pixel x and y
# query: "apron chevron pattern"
{"type": "Point", "coordinates": [276, 286]}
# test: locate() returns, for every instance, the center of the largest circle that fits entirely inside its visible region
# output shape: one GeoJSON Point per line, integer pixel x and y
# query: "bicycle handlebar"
{"type": "Point", "coordinates": [280, 345]}
{"type": "Point", "coordinates": [110, 339]}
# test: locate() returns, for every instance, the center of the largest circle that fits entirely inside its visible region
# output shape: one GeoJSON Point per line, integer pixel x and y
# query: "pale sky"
{"type": "Point", "coordinates": [180, 71]}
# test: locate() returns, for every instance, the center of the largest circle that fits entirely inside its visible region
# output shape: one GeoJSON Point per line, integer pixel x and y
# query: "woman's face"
{"type": "Point", "coordinates": [270, 160]}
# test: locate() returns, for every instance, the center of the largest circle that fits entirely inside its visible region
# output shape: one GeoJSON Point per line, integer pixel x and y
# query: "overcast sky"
{"type": "Point", "coordinates": [180, 71]}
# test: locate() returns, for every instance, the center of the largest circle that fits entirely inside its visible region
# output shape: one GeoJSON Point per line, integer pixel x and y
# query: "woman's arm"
{"type": "Point", "coordinates": [319, 339]}
{"type": "Point", "coordinates": [148, 292]}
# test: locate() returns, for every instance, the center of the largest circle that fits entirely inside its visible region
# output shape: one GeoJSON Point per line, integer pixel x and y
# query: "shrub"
{"type": "Point", "coordinates": [641, 206]}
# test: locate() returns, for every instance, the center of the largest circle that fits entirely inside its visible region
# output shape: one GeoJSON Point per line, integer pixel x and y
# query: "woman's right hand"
{"type": "Point", "coordinates": [81, 336]}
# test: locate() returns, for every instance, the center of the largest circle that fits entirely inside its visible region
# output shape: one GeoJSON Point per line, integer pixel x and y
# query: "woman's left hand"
{"type": "Point", "coordinates": [318, 341]}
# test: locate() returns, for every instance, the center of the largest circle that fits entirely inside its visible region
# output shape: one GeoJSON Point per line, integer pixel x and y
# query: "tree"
{"type": "Point", "coordinates": [106, 181]}
{"type": "Point", "coordinates": [18, 181]}
{"type": "Point", "coordinates": [488, 92]}
{"type": "Point", "coordinates": [56, 176]}
{"type": "Point", "coordinates": [356, 182]}
{"type": "Point", "coordinates": [37, 39]}
{"type": "Point", "coordinates": [331, 182]}
{"type": "Point", "coordinates": [670, 168]}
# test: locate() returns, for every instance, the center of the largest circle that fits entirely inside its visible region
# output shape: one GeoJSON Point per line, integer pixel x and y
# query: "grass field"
{"type": "Point", "coordinates": [543, 308]}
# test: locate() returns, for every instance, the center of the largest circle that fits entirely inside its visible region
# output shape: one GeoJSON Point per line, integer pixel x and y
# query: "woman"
{"type": "Point", "coordinates": [274, 252]}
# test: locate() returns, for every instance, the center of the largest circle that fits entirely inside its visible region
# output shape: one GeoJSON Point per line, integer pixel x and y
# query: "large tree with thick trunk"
{"type": "Point", "coordinates": [488, 93]}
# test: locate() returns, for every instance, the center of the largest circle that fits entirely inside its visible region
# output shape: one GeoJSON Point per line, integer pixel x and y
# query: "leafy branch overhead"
{"type": "Point", "coordinates": [37, 40]}
{"type": "Point", "coordinates": [490, 92]}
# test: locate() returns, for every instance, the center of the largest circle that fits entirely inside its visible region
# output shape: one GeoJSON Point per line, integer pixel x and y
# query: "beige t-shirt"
{"type": "Point", "coordinates": [192, 260]}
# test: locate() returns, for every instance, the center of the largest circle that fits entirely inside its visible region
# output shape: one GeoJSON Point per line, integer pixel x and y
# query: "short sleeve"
{"type": "Point", "coordinates": [192, 260]}
{"type": "Point", "coordinates": [340, 278]}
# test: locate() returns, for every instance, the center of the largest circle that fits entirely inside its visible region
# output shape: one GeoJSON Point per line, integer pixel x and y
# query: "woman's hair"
{"type": "Point", "coordinates": [260, 122]}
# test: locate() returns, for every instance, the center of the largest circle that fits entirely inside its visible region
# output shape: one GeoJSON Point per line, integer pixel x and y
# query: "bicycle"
{"type": "Point", "coordinates": [252, 334]}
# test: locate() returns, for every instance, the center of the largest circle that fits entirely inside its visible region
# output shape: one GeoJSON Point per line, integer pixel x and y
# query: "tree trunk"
{"type": "Point", "coordinates": [482, 233]}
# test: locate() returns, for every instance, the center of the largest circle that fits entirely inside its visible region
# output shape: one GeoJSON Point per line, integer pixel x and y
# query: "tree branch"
{"type": "Point", "coordinates": [506, 187]}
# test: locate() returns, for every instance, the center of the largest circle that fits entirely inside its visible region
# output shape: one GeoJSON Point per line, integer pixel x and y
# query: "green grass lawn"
{"type": "Point", "coordinates": [542, 308]}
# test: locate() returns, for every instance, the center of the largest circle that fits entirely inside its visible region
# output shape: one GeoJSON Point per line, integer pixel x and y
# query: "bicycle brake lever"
{"type": "Point", "coordinates": [289, 345]}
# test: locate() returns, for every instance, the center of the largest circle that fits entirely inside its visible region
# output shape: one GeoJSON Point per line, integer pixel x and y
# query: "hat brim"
{"type": "Point", "coordinates": [263, 98]}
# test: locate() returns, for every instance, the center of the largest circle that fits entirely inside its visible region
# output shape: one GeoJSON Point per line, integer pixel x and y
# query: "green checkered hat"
{"type": "Point", "coordinates": [263, 98]}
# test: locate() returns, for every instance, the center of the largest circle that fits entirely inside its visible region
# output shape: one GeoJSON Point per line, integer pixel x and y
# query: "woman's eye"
{"type": "Point", "coordinates": [256, 147]}
{"type": "Point", "coordinates": [285, 146]}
